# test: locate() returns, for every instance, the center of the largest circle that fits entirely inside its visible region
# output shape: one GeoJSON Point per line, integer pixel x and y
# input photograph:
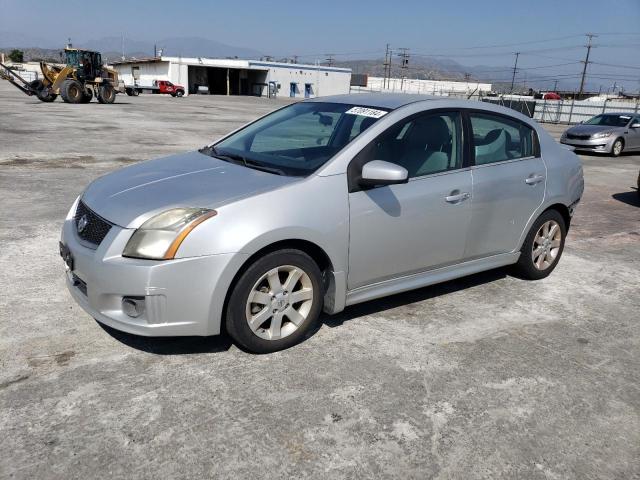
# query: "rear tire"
{"type": "Point", "coordinates": [276, 302]}
{"type": "Point", "coordinates": [106, 94]}
{"type": "Point", "coordinates": [543, 246]}
{"type": "Point", "coordinates": [72, 91]}
{"type": "Point", "coordinates": [617, 147]}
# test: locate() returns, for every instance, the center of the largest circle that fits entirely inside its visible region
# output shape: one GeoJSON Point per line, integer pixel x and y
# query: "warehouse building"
{"type": "Point", "coordinates": [217, 76]}
{"type": "Point", "coordinates": [427, 87]}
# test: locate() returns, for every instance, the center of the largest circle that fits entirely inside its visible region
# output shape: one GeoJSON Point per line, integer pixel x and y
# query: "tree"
{"type": "Point", "coordinates": [16, 56]}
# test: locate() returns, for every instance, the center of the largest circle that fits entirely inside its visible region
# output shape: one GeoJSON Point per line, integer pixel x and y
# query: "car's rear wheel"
{"type": "Point", "coordinates": [275, 302]}
{"type": "Point", "coordinates": [617, 147]}
{"type": "Point", "coordinates": [543, 246]}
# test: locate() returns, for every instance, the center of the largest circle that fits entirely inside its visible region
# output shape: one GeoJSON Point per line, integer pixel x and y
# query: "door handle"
{"type": "Point", "coordinates": [456, 197]}
{"type": "Point", "coordinates": [533, 179]}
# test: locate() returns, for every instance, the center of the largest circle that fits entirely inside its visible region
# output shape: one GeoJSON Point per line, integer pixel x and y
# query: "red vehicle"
{"type": "Point", "coordinates": [552, 96]}
{"type": "Point", "coordinates": [159, 86]}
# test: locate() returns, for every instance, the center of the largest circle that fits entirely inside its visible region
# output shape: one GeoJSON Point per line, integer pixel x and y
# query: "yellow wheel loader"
{"type": "Point", "coordinates": [83, 77]}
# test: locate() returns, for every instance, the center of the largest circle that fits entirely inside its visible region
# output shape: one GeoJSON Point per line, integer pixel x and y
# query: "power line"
{"type": "Point", "coordinates": [615, 65]}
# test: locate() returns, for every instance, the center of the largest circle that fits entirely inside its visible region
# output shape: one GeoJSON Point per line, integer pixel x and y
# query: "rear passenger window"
{"type": "Point", "coordinates": [497, 138]}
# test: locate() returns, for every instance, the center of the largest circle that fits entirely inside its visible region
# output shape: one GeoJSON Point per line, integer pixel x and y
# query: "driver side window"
{"type": "Point", "coordinates": [423, 144]}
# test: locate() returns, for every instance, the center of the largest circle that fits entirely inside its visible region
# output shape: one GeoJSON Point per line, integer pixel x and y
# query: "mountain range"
{"type": "Point", "coordinates": [36, 48]}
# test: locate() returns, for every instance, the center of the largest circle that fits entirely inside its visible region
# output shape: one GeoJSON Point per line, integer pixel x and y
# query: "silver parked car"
{"type": "Point", "coordinates": [319, 205]}
{"type": "Point", "coordinates": [610, 133]}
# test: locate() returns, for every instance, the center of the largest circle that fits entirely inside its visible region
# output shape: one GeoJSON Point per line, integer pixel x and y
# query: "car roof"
{"type": "Point", "coordinates": [392, 101]}
{"type": "Point", "coordinates": [381, 100]}
{"type": "Point", "coordinates": [622, 114]}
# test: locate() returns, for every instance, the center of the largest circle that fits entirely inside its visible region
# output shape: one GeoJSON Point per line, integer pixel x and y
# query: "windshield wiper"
{"type": "Point", "coordinates": [239, 159]}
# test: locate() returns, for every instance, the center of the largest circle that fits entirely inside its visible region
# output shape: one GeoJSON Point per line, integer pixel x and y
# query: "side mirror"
{"type": "Point", "coordinates": [635, 125]}
{"type": "Point", "coordinates": [379, 172]}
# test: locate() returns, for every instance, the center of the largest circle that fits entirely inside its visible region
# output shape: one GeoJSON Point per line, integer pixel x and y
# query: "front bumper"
{"type": "Point", "coordinates": [593, 144]}
{"type": "Point", "coordinates": [181, 297]}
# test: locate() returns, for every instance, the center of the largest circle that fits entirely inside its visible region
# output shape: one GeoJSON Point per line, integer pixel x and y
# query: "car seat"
{"type": "Point", "coordinates": [493, 147]}
{"type": "Point", "coordinates": [428, 147]}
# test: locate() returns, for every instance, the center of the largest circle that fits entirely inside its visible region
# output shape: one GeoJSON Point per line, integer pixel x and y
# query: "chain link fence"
{"type": "Point", "coordinates": [547, 111]}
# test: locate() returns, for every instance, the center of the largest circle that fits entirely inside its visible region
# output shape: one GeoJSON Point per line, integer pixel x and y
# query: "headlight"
{"type": "Point", "coordinates": [159, 237]}
{"type": "Point", "coordinates": [601, 135]}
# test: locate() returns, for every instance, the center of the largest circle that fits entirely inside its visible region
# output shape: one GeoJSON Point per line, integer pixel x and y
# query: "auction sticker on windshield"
{"type": "Point", "coordinates": [366, 112]}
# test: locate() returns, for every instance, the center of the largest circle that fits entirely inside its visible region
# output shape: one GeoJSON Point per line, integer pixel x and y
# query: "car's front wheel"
{"type": "Point", "coordinates": [617, 147]}
{"type": "Point", "coordinates": [543, 246]}
{"type": "Point", "coordinates": [275, 302]}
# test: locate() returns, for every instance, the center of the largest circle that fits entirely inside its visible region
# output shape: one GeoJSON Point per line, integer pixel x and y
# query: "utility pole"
{"type": "Point", "coordinates": [555, 85]}
{"type": "Point", "coordinates": [586, 62]}
{"type": "Point", "coordinates": [329, 59]}
{"type": "Point", "coordinates": [515, 69]}
{"type": "Point", "coordinates": [404, 64]}
{"type": "Point", "coordinates": [387, 66]}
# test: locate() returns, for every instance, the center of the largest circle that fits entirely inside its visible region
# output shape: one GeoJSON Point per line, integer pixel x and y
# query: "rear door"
{"type": "Point", "coordinates": [509, 180]}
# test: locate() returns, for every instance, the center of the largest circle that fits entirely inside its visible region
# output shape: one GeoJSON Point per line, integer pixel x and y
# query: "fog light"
{"type": "Point", "coordinates": [133, 306]}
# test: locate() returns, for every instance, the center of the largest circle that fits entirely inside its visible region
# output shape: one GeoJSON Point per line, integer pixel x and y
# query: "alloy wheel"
{"type": "Point", "coordinates": [546, 245]}
{"type": "Point", "coordinates": [279, 302]}
{"type": "Point", "coordinates": [617, 148]}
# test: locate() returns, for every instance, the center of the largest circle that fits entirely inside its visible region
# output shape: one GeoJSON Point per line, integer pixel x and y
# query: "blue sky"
{"type": "Point", "coordinates": [297, 28]}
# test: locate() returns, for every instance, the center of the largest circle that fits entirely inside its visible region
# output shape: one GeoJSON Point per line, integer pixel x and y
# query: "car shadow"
{"type": "Point", "coordinates": [387, 303]}
{"type": "Point", "coordinates": [222, 343]}
{"type": "Point", "coordinates": [630, 198]}
{"type": "Point", "coordinates": [170, 345]}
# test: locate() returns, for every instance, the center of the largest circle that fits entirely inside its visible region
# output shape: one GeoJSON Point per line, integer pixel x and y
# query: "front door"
{"type": "Point", "coordinates": [408, 228]}
{"type": "Point", "coordinates": [292, 89]}
{"type": "Point", "coordinates": [509, 179]}
{"type": "Point", "coordinates": [632, 138]}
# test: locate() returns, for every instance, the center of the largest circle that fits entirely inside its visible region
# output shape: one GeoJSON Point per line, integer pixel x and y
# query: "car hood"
{"type": "Point", "coordinates": [591, 129]}
{"type": "Point", "coordinates": [131, 195]}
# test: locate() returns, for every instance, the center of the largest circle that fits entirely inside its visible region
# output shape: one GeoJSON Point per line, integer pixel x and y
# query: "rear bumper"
{"type": "Point", "coordinates": [180, 297]}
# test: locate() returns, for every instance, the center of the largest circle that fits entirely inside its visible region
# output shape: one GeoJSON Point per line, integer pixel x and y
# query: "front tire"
{"type": "Point", "coordinates": [180, 93]}
{"type": "Point", "coordinates": [72, 91]}
{"type": "Point", "coordinates": [617, 147]}
{"type": "Point", "coordinates": [276, 302]}
{"type": "Point", "coordinates": [543, 246]}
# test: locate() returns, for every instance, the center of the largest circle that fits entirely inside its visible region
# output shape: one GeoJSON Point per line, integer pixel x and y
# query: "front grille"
{"type": "Point", "coordinates": [573, 136]}
{"type": "Point", "coordinates": [94, 227]}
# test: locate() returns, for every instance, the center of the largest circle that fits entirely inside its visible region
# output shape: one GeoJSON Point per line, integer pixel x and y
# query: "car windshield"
{"type": "Point", "coordinates": [298, 139]}
{"type": "Point", "coordinates": [609, 120]}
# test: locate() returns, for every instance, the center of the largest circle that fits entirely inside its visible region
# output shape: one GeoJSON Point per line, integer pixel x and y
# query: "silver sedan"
{"type": "Point", "coordinates": [610, 133]}
{"type": "Point", "coordinates": [319, 205]}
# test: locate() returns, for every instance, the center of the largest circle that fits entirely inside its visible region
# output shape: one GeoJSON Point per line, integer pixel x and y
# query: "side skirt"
{"type": "Point", "coordinates": [431, 277]}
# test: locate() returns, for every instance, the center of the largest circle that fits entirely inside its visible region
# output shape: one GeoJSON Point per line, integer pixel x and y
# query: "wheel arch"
{"type": "Point", "coordinates": [317, 254]}
{"type": "Point", "coordinates": [563, 210]}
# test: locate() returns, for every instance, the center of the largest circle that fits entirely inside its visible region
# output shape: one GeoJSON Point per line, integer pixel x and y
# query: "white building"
{"type": "Point", "coordinates": [426, 87]}
{"type": "Point", "coordinates": [237, 77]}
